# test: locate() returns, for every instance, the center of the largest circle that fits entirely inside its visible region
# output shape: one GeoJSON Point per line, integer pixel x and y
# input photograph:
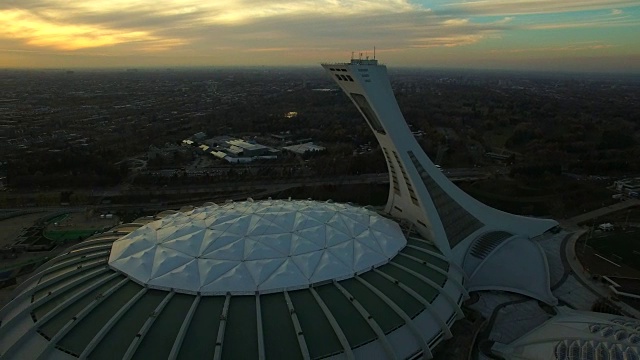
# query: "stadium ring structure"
{"type": "Point", "coordinates": [577, 335]}
{"type": "Point", "coordinates": [265, 279]}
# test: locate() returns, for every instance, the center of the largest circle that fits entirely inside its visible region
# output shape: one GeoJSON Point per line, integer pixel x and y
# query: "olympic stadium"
{"type": "Point", "coordinates": [287, 278]}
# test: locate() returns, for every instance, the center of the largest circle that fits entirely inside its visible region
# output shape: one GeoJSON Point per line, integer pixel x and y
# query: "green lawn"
{"type": "Point", "coordinates": [557, 196]}
{"type": "Point", "coordinates": [68, 235]}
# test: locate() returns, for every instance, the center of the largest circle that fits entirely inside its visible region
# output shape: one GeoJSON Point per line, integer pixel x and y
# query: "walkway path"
{"type": "Point", "coordinates": [570, 257]}
{"type": "Point", "coordinates": [576, 220]}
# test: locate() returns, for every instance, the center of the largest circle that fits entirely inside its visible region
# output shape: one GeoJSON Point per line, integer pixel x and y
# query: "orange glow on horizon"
{"type": "Point", "coordinates": [39, 32]}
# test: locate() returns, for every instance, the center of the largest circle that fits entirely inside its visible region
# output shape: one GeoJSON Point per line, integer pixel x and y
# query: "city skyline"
{"type": "Point", "coordinates": [585, 35]}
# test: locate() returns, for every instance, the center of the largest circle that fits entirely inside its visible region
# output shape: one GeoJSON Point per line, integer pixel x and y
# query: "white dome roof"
{"type": "Point", "coordinates": [264, 246]}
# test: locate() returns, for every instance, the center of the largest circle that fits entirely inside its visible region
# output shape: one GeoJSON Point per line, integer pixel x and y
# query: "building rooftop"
{"type": "Point", "coordinates": [303, 148]}
{"type": "Point", "coordinates": [264, 246]}
{"type": "Point", "coordinates": [246, 145]}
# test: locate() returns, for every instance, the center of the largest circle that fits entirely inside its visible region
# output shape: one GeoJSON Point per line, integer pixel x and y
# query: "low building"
{"type": "Point", "coordinates": [500, 157]}
{"type": "Point", "coordinates": [249, 149]}
{"type": "Point", "coordinates": [628, 185]}
{"type": "Point", "coordinates": [218, 154]}
{"type": "Point", "coordinates": [199, 136]}
{"type": "Point", "coordinates": [606, 227]}
{"type": "Point", "coordinates": [237, 160]}
{"type": "Point", "coordinates": [301, 149]}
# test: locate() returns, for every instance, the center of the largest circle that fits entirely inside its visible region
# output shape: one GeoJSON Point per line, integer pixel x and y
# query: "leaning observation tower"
{"type": "Point", "coordinates": [493, 247]}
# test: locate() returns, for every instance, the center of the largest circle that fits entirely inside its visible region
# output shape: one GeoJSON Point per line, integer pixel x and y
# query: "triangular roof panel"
{"type": "Point", "coordinates": [243, 247]}
{"type": "Point", "coordinates": [261, 270]}
{"type": "Point", "coordinates": [316, 234]}
{"type": "Point", "coordinates": [279, 242]}
{"type": "Point", "coordinates": [330, 267]}
{"type": "Point", "coordinates": [189, 244]}
{"type": "Point", "coordinates": [300, 245]}
{"type": "Point", "coordinates": [364, 258]}
{"type": "Point", "coordinates": [231, 251]}
{"type": "Point", "coordinates": [238, 279]}
{"type": "Point", "coordinates": [256, 250]}
{"type": "Point", "coordinates": [307, 263]}
{"type": "Point", "coordinates": [344, 252]}
{"type": "Point", "coordinates": [210, 270]}
{"type": "Point", "coordinates": [335, 236]}
{"type": "Point", "coordinates": [129, 246]}
{"type": "Point", "coordinates": [165, 260]}
{"type": "Point", "coordinates": [282, 278]}
{"type": "Point", "coordinates": [185, 277]}
{"type": "Point", "coordinates": [218, 240]}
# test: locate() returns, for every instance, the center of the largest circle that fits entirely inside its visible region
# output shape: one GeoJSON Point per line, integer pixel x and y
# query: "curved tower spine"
{"type": "Point", "coordinates": [419, 191]}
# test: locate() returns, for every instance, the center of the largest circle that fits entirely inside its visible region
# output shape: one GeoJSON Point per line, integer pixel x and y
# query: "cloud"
{"type": "Point", "coordinates": [591, 23]}
{"type": "Point", "coordinates": [199, 26]}
{"type": "Point", "coordinates": [455, 22]}
{"type": "Point", "coordinates": [448, 41]}
{"type": "Point", "coordinates": [166, 24]}
{"type": "Point", "coordinates": [573, 48]}
{"type": "Point", "coordinates": [36, 31]}
{"type": "Point", "coordinates": [281, 31]}
{"type": "Point", "coordinates": [522, 7]}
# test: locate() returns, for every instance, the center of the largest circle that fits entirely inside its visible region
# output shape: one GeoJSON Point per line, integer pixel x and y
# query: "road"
{"type": "Point", "coordinates": [571, 258]}
{"type": "Point", "coordinates": [239, 189]}
{"type": "Point", "coordinates": [275, 185]}
{"type": "Point", "coordinates": [576, 220]}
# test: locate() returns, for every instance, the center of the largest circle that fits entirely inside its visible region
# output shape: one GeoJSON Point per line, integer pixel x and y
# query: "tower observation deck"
{"type": "Point", "coordinates": [492, 246]}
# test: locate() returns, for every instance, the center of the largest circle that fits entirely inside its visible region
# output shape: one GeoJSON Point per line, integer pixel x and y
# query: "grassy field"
{"type": "Point", "coordinates": [618, 246]}
{"type": "Point", "coordinates": [559, 197]}
{"type": "Point", "coordinates": [364, 194]}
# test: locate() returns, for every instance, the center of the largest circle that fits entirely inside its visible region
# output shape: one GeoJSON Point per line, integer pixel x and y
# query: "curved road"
{"type": "Point", "coordinates": [570, 257]}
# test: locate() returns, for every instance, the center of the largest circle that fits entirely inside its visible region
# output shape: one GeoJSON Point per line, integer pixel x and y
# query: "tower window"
{"type": "Point", "coordinates": [457, 222]}
{"type": "Point", "coordinates": [392, 170]}
{"type": "Point", "coordinates": [369, 114]}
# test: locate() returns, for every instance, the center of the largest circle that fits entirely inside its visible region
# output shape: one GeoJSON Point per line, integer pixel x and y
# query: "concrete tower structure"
{"type": "Point", "coordinates": [493, 247]}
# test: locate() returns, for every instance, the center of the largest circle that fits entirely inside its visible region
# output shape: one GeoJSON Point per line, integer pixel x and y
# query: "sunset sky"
{"type": "Point", "coordinates": [580, 35]}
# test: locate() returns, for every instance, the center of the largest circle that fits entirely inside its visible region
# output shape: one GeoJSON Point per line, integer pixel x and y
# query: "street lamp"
{"type": "Point", "coordinates": [584, 246]}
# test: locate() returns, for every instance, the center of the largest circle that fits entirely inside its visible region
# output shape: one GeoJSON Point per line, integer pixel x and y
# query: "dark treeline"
{"type": "Point", "coordinates": [75, 130]}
